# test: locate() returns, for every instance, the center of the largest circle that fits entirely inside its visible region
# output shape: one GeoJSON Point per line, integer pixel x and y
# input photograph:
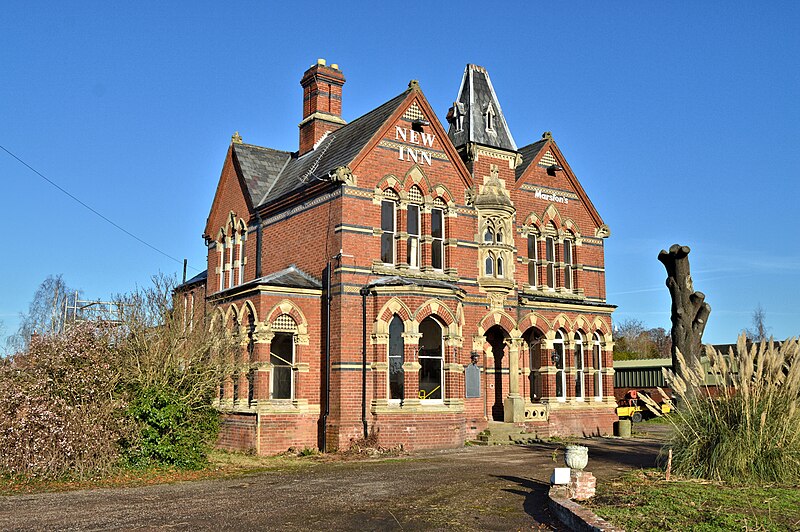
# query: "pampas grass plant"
{"type": "Point", "coordinates": [739, 419]}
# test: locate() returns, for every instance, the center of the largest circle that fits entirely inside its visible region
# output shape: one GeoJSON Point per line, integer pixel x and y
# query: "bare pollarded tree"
{"type": "Point", "coordinates": [689, 310]}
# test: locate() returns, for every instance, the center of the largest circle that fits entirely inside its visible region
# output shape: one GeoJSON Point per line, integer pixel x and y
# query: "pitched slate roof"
{"type": "Point", "coordinates": [202, 276]}
{"type": "Point", "coordinates": [270, 174]}
{"type": "Point", "coordinates": [529, 153]}
{"type": "Point", "coordinates": [292, 276]}
{"type": "Point", "coordinates": [475, 97]}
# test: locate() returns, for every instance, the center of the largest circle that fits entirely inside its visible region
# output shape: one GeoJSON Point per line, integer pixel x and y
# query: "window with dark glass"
{"type": "Point", "coordinates": [579, 373]}
{"type": "Point", "coordinates": [558, 359]}
{"type": "Point", "coordinates": [499, 266]}
{"type": "Point", "coordinates": [488, 235]}
{"type": "Point", "coordinates": [430, 359]}
{"type": "Point", "coordinates": [550, 257]}
{"type": "Point", "coordinates": [413, 236]}
{"type": "Point", "coordinates": [597, 363]}
{"type": "Point", "coordinates": [396, 358]}
{"type": "Point", "coordinates": [388, 229]}
{"type": "Point", "coordinates": [282, 360]}
{"type": "Point", "coordinates": [532, 259]}
{"type": "Point", "coordinates": [489, 265]}
{"type": "Point", "coordinates": [437, 232]}
{"type": "Point", "coordinates": [569, 255]}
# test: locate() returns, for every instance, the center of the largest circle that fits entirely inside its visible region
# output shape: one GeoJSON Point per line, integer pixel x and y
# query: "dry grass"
{"type": "Point", "coordinates": [747, 426]}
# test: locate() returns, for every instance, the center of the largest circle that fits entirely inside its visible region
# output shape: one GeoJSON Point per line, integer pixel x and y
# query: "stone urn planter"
{"type": "Point", "coordinates": [576, 457]}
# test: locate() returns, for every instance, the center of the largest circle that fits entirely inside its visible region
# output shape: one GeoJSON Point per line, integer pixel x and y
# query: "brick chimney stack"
{"type": "Point", "coordinates": [322, 103]}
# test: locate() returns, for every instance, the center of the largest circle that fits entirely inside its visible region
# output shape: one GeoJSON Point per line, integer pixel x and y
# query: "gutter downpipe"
{"type": "Point", "coordinates": [328, 298]}
{"type": "Point", "coordinates": [364, 291]}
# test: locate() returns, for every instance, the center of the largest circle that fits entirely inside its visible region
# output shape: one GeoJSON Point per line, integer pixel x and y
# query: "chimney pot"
{"type": "Point", "coordinates": [322, 103]}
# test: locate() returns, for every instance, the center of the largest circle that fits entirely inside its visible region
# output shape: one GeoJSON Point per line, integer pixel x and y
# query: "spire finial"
{"type": "Point", "coordinates": [236, 138]}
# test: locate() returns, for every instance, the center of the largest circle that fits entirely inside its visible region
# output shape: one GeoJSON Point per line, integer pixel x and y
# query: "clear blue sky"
{"type": "Point", "coordinates": [681, 120]}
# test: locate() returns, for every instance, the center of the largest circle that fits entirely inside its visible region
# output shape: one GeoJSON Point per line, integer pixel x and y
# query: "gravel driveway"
{"type": "Point", "coordinates": [474, 488]}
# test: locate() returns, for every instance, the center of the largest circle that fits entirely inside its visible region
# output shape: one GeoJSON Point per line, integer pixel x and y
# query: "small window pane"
{"type": "Point", "coordinates": [489, 266]}
{"type": "Point", "coordinates": [488, 236]}
{"type": "Point", "coordinates": [387, 215]}
{"type": "Point", "coordinates": [436, 223]}
{"type": "Point", "coordinates": [396, 358]}
{"type": "Point", "coordinates": [531, 246]}
{"type": "Point", "coordinates": [436, 254]}
{"type": "Point", "coordinates": [499, 266]}
{"type": "Point", "coordinates": [550, 249]}
{"type": "Point", "coordinates": [413, 220]}
{"type": "Point", "coordinates": [387, 248]}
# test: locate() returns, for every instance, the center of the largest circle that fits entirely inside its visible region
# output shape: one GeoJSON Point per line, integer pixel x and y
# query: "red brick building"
{"type": "Point", "coordinates": [395, 278]}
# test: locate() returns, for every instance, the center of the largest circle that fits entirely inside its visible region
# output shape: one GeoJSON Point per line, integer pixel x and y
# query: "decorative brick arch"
{"type": "Point", "coordinates": [388, 181]}
{"type": "Point", "coordinates": [582, 324]}
{"type": "Point", "coordinates": [572, 227]}
{"type": "Point", "coordinates": [232, 313]}
{"type": "Point", "coordinates": [441, 191]}
{"type": "Point", "coordinates": [533, 221]}
{"type": "Point", "coordinates": [435, 307]}
{"type": "Point", "coordinates": [389, 309]}
{"type": "Point", "coordinates": [551, 214]}
{"type": "Point", "coordinates": [292, 310]}
{"type": "Point", "coordinates": [249, 309]}
{"type": "Point", "coordinates": [415, 176]}
{"type": "Point", "coordinates": [496, 317]}
{"type": "Point", "coordinates": [599, 324]}
{"type": "Point", "coordinates": [534, 319]}
{"type": "Point", "coordinates": [562, 322]}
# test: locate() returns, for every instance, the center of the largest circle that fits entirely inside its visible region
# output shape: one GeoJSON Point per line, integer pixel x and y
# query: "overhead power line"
{"type": "Point", "coordinates": [83, 204]}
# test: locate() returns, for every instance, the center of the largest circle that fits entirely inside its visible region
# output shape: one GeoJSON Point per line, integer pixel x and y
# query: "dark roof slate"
{"type": "Point", "coordinates": [200, 277]}
{"type": "Point", "coordinates": [529, 153]}
{"type": "Point", "coordinates": [270, 174]}
{"type": "Point", "coordinates": [292, 277]}
{"type": "Point", "coordinates": [475, 96]}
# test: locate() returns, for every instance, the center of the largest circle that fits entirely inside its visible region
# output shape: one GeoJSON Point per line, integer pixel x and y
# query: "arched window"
{"type": "Point", "coordinates": [488, 235]}
{"type": "Point", "coordinates": [413, 230]}
{"type": "Point", "coordinates": [221, 257]}
{"type": "Point", "coordinates": [240, 254]}
{"type": "Point", "coordinates": [388, 226]}
{"type": "Point", "coordinates": [534, 338]}
{"type": "Point", "coordinates": [558, 361]}
{"type": "Point", "coordinates": [533, 257]}
{"type": "Point", "coordinates": [282, 357]}
{"type": "Point", "coordinates": [437, 234]}
{"type": "Point", "coordinates": [499, 266]}
{"type": "Point", "coordinates": [550, 259]}
{"type": "Point", "coordinates": [580, 382]}
{"type": "Point", "coordinates": [499, 236]}
{"type": "Point", "coordinates": [597, 363]}
{"type": "Point", "coordinates": [569, 264]}
{"type": "Point", "coordinates": [489, 265]}
{"type": "Point", "coordinates": [396, 358]}
{"type": "Point", "coordinates": [431, 372]}
{"type": "Point", "coordinates": [229, 264]}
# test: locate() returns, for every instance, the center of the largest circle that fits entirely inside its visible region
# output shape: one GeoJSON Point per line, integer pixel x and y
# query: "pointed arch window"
{"type": "Point", "coordinates": [533, 257]}
{"type": "Point", "coordinates": [500, 267]}
{"type": "Point", "coordinates": [580, 383]}
{"type": "Point", "coordinates": [437, 234]}
{"type": "Point", "coordinates": [597, 363]}
{"type": "Point", "coordinates": [221, 261]}
{"type": "Point", "coordinates": [396, 358]}
{"type": "Point", "coordinates": [558, 361]}
{"type": "Point", "coordinates": [240, 254]}
{"type": "Point", "coordinates": [569, 263]}
{"type": "Point", "coordinates": [413, 227]}
{"type": "Point", "coordinates": [489, 265]}
{"type": "Point", "coordinates": [488, 235]}
{"type": "Point", "coordinates": [282, 358]}
{"type": "Point", "coordinates": [431, 360]}
{"type": "Point", "coordinates": [388, 226]}
{"type": "Point", "coordinates": [550, 257]}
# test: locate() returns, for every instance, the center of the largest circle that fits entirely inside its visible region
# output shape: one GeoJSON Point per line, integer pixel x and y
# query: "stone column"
{"type": "Point", "coordinates": [262, 338]}
{"type": "Point", "coordinates": [411, 368]}
{"type": "Point", "coordinates": [514, 405]}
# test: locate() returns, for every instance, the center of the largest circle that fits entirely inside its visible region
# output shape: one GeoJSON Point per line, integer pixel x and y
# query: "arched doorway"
{"type": "Point", "coordinates": [495, 337]}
